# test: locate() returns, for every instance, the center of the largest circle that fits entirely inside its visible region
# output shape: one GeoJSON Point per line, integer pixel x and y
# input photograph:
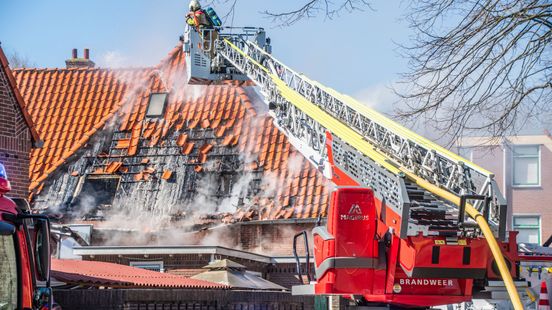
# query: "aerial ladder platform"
{"type": "Point", "coordinates": [410, 223]}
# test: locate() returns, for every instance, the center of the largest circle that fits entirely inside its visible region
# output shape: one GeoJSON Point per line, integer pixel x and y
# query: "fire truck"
{"type": "Point", "coordinates": [410, 224]}
{"type": "Point", "coordinates": [24, 254]}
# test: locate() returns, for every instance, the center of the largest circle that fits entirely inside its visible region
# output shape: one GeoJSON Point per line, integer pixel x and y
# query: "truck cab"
{"type": "Point", "coordinates": [24, 254]}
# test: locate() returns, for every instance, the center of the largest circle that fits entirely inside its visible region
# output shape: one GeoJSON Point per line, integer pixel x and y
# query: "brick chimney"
{"type": "Point", "coordinates": [76, 62]}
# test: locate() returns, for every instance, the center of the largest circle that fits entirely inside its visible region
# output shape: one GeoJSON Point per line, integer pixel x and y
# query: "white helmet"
{"type": "Point", "coordinates": [194, 5]}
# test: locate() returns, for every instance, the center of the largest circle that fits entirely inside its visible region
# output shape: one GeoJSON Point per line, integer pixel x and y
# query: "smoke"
{"type": "Point", "coordinates": [295, 163]}
{"type": "Point", "coordinates": [113, 59]}
{"type": "Point", "coordinates": [260, 241]}
{"type": "Point", "coordinates": [239, 190]}
{"type": "Point", "coordinates": [205, 201]}
{"type": "Point", "coordinates": [380, 97]}
{"type": "Point", "coordinates": [152, 212]}
{"type": "Point", "coordinates": [219, 236]}
{"type": "Point", "coordinates": [86, 205]}
{"type": "Point", "coordinates": [269, 184]}
{"type": "Point", "coordinates": [142, 211]}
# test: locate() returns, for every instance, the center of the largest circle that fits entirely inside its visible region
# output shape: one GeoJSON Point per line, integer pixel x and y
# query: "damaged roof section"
{"type": "Point", "coordinates": [68, 106]}
{"type": "Point", "coordinates": [170, 145]}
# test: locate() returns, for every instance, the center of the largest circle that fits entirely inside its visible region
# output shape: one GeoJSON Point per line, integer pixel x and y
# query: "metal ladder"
{"type": "Point", "coordinates": [305, 110]}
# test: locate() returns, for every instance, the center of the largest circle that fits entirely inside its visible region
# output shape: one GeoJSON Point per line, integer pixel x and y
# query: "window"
{"type": "Point", "coordinates": [97, 191]}
{"type": "Point", "coordinates": [528, 227]}
{"type": "Point", "coordinates": [526, 165]}
{"type": "Point", "coordinates": [8, 270]}
{"type": "Point", "coordinates": [155, 266]}
{"type": "Point", "coordinates": [466, 152]}
{"type": "Point", "coordinates": [156, 105]}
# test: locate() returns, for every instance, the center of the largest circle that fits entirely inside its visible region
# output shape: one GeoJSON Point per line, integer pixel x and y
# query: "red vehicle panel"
{"type": "Point", "coordinates": [26, 247]}
{"type": "Point", "coordinates": [356, 254]}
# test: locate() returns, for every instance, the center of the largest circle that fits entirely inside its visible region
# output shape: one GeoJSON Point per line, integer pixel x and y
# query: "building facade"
{"type": "Point", "coordinates": [523, 169]}
{"type": "Point", "coordinates": [16, 132]}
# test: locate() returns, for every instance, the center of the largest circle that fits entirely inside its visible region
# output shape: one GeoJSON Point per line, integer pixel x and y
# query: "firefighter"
{"type": "Point", "coordinates": [196, 17]}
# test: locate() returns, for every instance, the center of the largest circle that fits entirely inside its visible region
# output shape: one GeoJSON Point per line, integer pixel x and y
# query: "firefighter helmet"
{"type": "Point", "coordinates": [194, 5]}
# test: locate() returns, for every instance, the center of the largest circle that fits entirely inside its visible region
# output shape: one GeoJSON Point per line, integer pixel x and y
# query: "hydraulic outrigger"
{"type": "Point", "coordinates": [397, 231]}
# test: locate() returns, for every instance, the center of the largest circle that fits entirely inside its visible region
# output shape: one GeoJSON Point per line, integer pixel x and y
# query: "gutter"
{"type": "Point", "coordinates": [284, 221]}
{"type": "Point", "coordinates": [168, 250]}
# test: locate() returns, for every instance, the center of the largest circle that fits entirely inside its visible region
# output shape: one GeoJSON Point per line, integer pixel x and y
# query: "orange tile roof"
{"type": "Point", "coordinates": [70, 105]}
{"type": "Point", "coordinates": [95, 273]}
{"type": "Point", "coordinates": [13, 85]}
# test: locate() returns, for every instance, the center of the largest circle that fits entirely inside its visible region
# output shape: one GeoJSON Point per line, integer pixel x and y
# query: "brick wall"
{"type": "Point", "coordinates": [273, 239]}
{"type": "Point", "coordinates": [15, 140]}
{"type": "Point", "coordinates": [533, 200]}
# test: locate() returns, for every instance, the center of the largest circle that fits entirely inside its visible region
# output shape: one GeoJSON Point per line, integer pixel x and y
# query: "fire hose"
{"type": "Point", "coordinates": [487, 233]}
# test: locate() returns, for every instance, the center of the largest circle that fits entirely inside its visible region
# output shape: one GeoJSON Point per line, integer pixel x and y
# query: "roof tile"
{"type": "Point", "coordinates": [182, 138]}
{"type": "Point", "coordinates": [206, 148]}
{"type": "Point", "coordinates": [69, 105]}
{"type": "Point", "coordinates": [187, 148]}
{"type": "Point", "coordinates": [113, 167]}
{"type": "Point", "coordinates": [95, 273]}
{"type": "Point", "coordinates": [167, 174]}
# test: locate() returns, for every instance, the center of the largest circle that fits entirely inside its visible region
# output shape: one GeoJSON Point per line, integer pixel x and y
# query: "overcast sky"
{"type": "Point", "coordinates": [354, 53]}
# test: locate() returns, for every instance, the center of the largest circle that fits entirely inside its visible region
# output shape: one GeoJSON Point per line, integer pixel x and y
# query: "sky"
{"type": "Point", "coordinates": [355, 53]}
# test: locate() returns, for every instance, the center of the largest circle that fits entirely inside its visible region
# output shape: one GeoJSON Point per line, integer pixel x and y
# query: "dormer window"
{"type": "Point", "coordinates": [156, 105]}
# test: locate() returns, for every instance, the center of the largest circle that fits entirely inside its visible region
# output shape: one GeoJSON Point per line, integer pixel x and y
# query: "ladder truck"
{"type": "Point", "coordinates": [410, 224]}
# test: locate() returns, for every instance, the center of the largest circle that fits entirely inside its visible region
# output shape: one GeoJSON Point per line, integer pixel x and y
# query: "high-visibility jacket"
{"type": "Point", "coordinates": [197, 19]}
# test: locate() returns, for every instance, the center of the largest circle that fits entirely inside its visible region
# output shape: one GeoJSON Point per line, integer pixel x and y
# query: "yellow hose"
{"type": "Point", "coordinates": [485, 229]}
{"type": "Point", "coordinates": [497, 253]}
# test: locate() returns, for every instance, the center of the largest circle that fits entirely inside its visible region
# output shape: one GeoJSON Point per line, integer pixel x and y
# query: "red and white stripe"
{"type": "Point", "coordinates": [544, 302]}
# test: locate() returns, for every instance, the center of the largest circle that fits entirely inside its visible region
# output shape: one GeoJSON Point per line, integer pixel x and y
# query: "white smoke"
{"type": "Point", "coordinates": [150, 215]}
{"type": "Point", "coordinates": [113, 59]}
{"type": "Point", "coordinates": [205, 201]}
{"type": "Point", "coordinates": [239, 190]}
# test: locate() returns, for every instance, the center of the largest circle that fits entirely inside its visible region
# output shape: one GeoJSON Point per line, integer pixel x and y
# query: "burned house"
{"type": "Point", "coordinates": [147, 158]}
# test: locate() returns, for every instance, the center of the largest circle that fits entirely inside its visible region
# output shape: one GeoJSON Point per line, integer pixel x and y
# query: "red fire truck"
{"type": "Point", "coordinates": [24, 254]}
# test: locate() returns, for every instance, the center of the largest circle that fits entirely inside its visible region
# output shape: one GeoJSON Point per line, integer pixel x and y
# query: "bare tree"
{"type": "Point", "coordinates": [478, 65]}
{"type": "Point", "coordinates": [231, 7]}
{"type": "Point", "coordinates": [314, 8]}
{"type": "Point", "coordinates": [307, 9]}
{"type": "Point", "coordinates": [19, 61]}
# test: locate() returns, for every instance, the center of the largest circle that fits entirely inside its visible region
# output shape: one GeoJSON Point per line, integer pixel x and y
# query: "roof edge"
{"type": "Point", "coordinates": [17, 70]}
{"type": "Point", "coordinates": [162, 250]}
{"type": "Point", "coordinates": [37, 142]}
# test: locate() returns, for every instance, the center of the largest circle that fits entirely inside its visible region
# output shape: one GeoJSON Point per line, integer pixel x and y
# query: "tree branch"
{"type": "Point", "coordinates": [477, 65]}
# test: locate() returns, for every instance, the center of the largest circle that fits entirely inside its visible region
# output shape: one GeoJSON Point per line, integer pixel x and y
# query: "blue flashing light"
{"type": "Point", "coordinates": [3, 173]}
